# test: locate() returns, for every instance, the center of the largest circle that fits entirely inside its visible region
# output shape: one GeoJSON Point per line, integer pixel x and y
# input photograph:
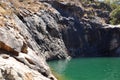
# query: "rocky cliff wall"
{"type": "Point", "coordinates": [33, 31]}
{"type": "Point", "coordinates": [29, 33]}
{"type": "Point", "coordinates": [84, 29]}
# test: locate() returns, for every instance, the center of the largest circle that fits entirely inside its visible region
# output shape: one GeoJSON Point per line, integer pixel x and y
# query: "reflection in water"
{"type": "Point", "coordinates": [112, 71]}
{"type": "Point", "coordinates": [88, 68]}
{"type": "Point", "coordinates": [61, 65]}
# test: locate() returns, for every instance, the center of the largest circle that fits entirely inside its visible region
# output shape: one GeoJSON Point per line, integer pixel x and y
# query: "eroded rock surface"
{"type": "Point", "coordinates": [84, 29]}
{"type": "Point", "coordinates": [30, 36]}
{"type": "Point", "coordinates": [11, 69]}
{"type": "Point", "coordinates": [34, 31]}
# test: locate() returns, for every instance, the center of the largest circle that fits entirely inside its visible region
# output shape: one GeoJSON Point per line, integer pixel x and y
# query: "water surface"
{"type": "Point", "coordinates": [88, 68]}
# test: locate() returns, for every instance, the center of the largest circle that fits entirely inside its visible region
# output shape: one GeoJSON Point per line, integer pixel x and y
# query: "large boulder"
{"type": "Point", "coordinates": [11, 69]}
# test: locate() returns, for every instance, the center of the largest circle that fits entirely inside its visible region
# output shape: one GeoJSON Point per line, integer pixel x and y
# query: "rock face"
{"type": "Point", "coordinates": [34, 31]}
{"type": "Point", "coordinates": [85, 33]}
{"type": "Point", "coordinates": [11, 69]}
{"type": "Point", "coordinates": [30, 36]}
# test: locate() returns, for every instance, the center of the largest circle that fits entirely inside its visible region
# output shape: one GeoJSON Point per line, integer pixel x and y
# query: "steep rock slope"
{"type": "Point", "coordinates": [33, 31]}
{"type": "Point", "coordinates": [31, 36]}
{"type": "Point", "coordinates": [84, 29]}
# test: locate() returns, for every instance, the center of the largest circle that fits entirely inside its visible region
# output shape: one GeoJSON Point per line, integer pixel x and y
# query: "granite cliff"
{"type": "Point", "coordinates": [35, 31]}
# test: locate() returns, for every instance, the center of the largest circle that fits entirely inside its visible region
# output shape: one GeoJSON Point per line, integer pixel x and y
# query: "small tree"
{"type": "Point", "coordinates": [115, 16]}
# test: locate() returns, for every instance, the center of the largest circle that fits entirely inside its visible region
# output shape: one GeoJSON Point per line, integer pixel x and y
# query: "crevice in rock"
{"type": "Point", "coordinates": [21, 18]}
{"type": "Point", "coordinates": [30, 61]}
{"type": "Point", "coordinates": [24, 48]}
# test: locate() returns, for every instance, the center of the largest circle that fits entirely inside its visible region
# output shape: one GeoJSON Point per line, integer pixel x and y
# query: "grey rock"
{"type": "Point", "coordinates": [11, 69]}
{"type": "Point", "coordinates": [29, 37]}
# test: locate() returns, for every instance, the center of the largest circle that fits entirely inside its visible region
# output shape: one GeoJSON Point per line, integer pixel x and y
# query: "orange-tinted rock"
{"type": "Point", "coordinates": [7, 48]}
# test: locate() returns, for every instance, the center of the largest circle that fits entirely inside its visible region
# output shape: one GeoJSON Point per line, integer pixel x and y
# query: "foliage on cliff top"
{"type": "Point", "coordinates": [115, 16]}
{"type": "Point", "coordinates": [115, 13]}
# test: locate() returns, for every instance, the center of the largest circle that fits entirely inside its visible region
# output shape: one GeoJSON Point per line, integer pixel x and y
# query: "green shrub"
{"type": "Point", "coordinates": [114, 6]}
{"type": "Point", "coordinates": [113, 3]}
{"type": "Point", "coordinates": [115, 16]}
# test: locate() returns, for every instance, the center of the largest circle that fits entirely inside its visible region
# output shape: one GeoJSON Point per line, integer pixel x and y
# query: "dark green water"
{"type": "Point", "coordinates": [88, 68]}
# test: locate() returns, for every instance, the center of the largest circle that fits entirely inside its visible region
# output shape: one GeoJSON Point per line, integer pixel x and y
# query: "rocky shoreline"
{"type": "Point", "coordinates": [33, 32]}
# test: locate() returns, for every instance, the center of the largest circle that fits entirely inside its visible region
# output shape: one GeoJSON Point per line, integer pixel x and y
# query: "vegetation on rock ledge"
{"type": "Point", "coordinates": [115, 16]}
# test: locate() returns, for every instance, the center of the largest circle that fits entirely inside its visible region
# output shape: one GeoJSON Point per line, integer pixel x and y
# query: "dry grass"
{"type": "Point", "coordinates": [2, 11]}
{"type": "Point", "coordinates": [35, 7]}
{"type": "Point", "coordinates": [31, 5]}
{"type": "Point", "coordinates": [2, 21]}
{"type": "Point", "coordinates": [10, 7]}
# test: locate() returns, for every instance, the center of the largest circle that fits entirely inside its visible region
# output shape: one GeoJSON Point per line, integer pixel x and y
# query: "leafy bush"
{"type": "Point", "coordinates": [114, 6]}
{"type": "Point", "coordinates": [115, 16]}
{"type": "Point", "coordinates": [112, 3]}
{"type": "Point", "coordinates": [105, 6]}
